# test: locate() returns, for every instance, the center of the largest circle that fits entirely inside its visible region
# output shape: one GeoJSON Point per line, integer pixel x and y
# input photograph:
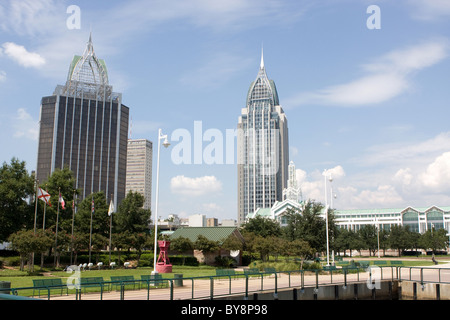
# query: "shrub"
{"type": "Point", "coordinates": [226, 262]}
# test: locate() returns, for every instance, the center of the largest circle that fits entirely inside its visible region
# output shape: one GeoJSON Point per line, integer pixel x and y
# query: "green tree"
{"type": "Point", "coordinates": [384, 240]}
{"type": "Point", "coordinates": [100, 218]}
{"type": "Point", "coordinates": [119, 242]}
{"type": "Point", "coordinates": [399, 238]}
{"type": "Point", "coordinates": [131, 215]}
{"type": "Point", "coordinates": [27, 242]}
{"type": "Point", "coordinates": [60, 181]}
{"type": "Point", "coordinates": [205, 245]}
{"type": "Point", "coordinates": [80, 242]}
{"type": "Point", "coordinates": [434, 240]}
{"type": "Point", "coordinates": [63, 244]}
{"type": "Point", "coordinates": [232, 243]}
{"type": "Point", "coordinates": [99, 243]}
{"type": "Point", "coordinates": [264, 246]}
{"type": "Point", "coordinates": [181, 244]}
{"type": "Point", "coordinates": [369, 236]}
{"type": "Point", "coordinates": [300, 248]}
{"type": "Point", "coordinates": [16, 188]}
{"type": "Point", "coordinates": [310, 226]}
{"type": "Point", "coordinates": [139, 242]}
{"type": "Point", "coordinates": [343, 240]}
{"type": "Point", "coordinates": [263, 227]}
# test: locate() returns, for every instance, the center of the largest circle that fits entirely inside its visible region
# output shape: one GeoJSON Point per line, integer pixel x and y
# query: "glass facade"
{"type": "Point", "coordinates": [82, 134]}
{"type": "Point", "coordinates": [139, 169]}
{"type": "Point", "coordinates": [263, 157]}
{"type": "Point", "coordinates": [411, 219]}
{"type": "Point", "coordinates": [417, 219]}
{"type": "Point", "coordinates": [84, 126]}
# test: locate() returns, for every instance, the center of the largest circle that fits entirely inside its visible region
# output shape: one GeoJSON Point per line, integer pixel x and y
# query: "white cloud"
{"type": "Point", "coordinates": [383, 196]}
{"type": "Point", "coordinates": [32, 17]}
{"type": "Point", "coordinates": [312, 185]}
{"type": "Point", "coordinates": [336, 172]}
{"type": "Point", "coordinates": [25, 126]}
{"type": "Point", "coordinates": [23, 57]}
{"type": "Point", "coordinates": [2, 76]}
{"type": "Point", "coordinates": [429, 9]}
{"type": "Point", "coordinates": [437, 174]}
{"type": "Point", "coordinates": [385, 78]}
{"type": "Point", "coordinates": [416, 153]}
{"type": "Point", "coordinates": [404, 177]}
{"type": "Point", "coordinates": [195, 186]}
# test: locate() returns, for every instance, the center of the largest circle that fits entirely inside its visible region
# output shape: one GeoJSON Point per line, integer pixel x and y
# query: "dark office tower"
{"type": "Point", "coordinates": [83, 126]}
{"type": "Point", "coordinates": [263, 154]}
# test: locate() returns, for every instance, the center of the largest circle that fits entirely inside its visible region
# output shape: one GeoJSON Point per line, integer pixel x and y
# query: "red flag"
{"type": "Point", "coordinates": [63, 203]}
{"type": "Point", "coordinates": [44, 196]}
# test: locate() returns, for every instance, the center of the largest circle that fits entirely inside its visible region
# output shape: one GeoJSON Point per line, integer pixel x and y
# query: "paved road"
{"type": "Point", "coordinates": [202, 288]}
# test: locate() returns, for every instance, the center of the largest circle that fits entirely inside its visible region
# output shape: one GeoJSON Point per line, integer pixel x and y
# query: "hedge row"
{"type": "Point", "coordinates": [145, 261]}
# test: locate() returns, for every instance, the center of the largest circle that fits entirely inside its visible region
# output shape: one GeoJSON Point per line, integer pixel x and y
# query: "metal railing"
{"type": "Point", "coordinates": [424, 274]}
{"type": "Point", "coordinates": [216, 286]}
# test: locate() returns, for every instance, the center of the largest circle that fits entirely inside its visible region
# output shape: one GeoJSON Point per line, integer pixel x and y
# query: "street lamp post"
{"type": "Point", "coordinates": [165, 144]}
{"type": "Point", "coordinates": [326, 217]}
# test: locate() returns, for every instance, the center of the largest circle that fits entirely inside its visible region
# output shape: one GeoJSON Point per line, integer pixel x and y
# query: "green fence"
{"type": "Point", "coordinates": [240, 283]}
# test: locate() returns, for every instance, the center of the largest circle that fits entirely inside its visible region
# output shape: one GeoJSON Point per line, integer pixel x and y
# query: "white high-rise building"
{"type": "Point", "coordinates": [263, 149]}
{"type": "Point", "coordinates": [139, 169]}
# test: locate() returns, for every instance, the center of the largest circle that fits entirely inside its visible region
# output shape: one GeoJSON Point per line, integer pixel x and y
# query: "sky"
{"type": "Point", "coordinates": [364, 86]}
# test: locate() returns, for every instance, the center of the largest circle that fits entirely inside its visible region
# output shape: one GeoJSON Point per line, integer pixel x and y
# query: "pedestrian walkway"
{"type": "Point", "coordinates": [215, 287]}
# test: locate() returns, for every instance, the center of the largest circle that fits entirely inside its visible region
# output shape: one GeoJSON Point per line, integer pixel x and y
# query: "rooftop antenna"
{"type": "Point", "coordinates": [262, 57]}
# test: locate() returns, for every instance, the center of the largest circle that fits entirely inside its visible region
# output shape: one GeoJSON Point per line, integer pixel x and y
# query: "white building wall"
{"type": "Point", "coordinates": [197, 220]}
{"type": "Point", "coordinates": [139, 169]}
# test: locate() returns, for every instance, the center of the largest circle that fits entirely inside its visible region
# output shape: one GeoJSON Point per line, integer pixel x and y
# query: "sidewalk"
{"type": "Point", "coordinates": [202, 289]}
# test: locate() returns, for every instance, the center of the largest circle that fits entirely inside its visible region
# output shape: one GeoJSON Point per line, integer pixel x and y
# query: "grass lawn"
{"type": "Point", "coordinates": [20, 279]}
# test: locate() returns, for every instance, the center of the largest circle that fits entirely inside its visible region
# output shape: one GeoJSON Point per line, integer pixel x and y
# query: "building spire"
{"type": "Point", "coordinates": [262, 58]}
{"type": "Point", "coordinates": [90, 45]}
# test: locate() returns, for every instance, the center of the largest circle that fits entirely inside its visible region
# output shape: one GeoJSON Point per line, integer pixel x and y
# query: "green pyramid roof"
{"type": "Point", "coordinates": [211, 233]}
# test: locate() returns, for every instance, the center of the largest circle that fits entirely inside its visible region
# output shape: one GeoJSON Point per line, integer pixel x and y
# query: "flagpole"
{"type": "Point", "coordinates": [73, 219]}
{"type": "Point", "coordinates": [56, 233]}
{"type": "Point", "coordinates": [36, 205]}
{"type": "Point", "coordinates": [43, 228]}
{"type": "Point", "coordinates": [110, 229]}
{"type": "Point", "coordinates": [90, 231]}
{"type": "Point", "coordinates": [35, 215]}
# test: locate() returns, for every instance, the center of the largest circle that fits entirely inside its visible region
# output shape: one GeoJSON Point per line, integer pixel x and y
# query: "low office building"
{"type": "Point", "coordinates": [419, 219]}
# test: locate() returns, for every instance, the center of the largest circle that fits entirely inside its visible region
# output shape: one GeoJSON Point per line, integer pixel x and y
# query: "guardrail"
{"type": "Point", "coordinates": [211, 287]}
{"type": "Point", "coordinates": [424, 274]}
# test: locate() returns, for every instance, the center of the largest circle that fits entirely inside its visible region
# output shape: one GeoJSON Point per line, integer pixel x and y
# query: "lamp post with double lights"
{"type": "Point", "coordinates": [326, 216]}
{"type": "Point", "coordinates": [326, 175]}
{"type": "Point", "coordinates": [166, 144]}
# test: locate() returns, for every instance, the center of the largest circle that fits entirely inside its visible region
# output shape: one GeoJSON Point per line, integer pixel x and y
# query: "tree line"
{"type": "Point", "coordinates": [35, 227]}
{"type": "Point", "coordinates": [305, 235]}
{"type": "Point", "coordinates": [34, 231]}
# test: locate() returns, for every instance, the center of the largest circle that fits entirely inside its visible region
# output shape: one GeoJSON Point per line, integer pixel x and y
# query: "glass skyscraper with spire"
{"type": "Point", "coordinates": [83, 126]}
{"type": "Point", "coordinates": [263, 147]}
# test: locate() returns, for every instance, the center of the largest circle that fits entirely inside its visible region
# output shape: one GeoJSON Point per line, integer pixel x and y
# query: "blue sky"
{"type": "Point", "coordinates": [370, 105]}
